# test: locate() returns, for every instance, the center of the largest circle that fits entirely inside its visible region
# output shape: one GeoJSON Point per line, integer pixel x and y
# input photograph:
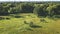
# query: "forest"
{"type": "Point", "coordinates": [39, 8]}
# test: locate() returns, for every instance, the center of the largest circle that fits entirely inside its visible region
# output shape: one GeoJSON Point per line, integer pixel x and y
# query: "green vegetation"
{"type": "Point", "coordinates": [40, 9]}
{"type": "Point", "coordinates": [30, 18]}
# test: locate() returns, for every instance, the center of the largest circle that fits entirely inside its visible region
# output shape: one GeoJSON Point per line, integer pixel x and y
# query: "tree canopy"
{"type": "Point", "coordinates": [40, 9]}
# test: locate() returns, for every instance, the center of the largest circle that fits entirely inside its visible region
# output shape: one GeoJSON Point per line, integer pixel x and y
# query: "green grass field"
{"type": "Point", "coordinates": [17, 25]}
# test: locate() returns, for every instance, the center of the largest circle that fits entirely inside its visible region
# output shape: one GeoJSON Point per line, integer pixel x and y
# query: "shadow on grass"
{"type": "Point", "coordinates": [32, 25]}
{"type": "Point", "coordinates": [43, 20]}
{"type": "Point", "coordinates": [18, 16]}
{"type": "Point", "coordinates": [7, 18]}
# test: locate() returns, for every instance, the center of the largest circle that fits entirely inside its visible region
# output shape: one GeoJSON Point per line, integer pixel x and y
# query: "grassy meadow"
{"type": "Point", "coordinates": [21, 24]}
{"type": "Point", "coordinates": [30, 17]}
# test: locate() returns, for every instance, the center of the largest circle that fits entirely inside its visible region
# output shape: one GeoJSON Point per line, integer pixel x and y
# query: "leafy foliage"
{"type": "Point", "coordinates": [40, 9]}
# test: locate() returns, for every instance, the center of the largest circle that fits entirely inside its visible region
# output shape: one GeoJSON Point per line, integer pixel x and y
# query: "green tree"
{"type": "Point", "coordinates": [40, 10]}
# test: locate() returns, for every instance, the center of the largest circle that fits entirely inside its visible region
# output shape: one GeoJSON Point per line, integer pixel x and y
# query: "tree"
{"type": "Point", "coordinates": [53, 9]}
{"type": "Point", "coordinates": [40, 10]}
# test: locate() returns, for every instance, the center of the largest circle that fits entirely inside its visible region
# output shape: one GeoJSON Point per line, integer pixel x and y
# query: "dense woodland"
{"type": "Point", "coordinates": [39, 8]}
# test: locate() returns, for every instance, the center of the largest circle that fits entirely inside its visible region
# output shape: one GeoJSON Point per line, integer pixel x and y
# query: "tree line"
{"type": "Point", "coordinates": [38, 8]}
